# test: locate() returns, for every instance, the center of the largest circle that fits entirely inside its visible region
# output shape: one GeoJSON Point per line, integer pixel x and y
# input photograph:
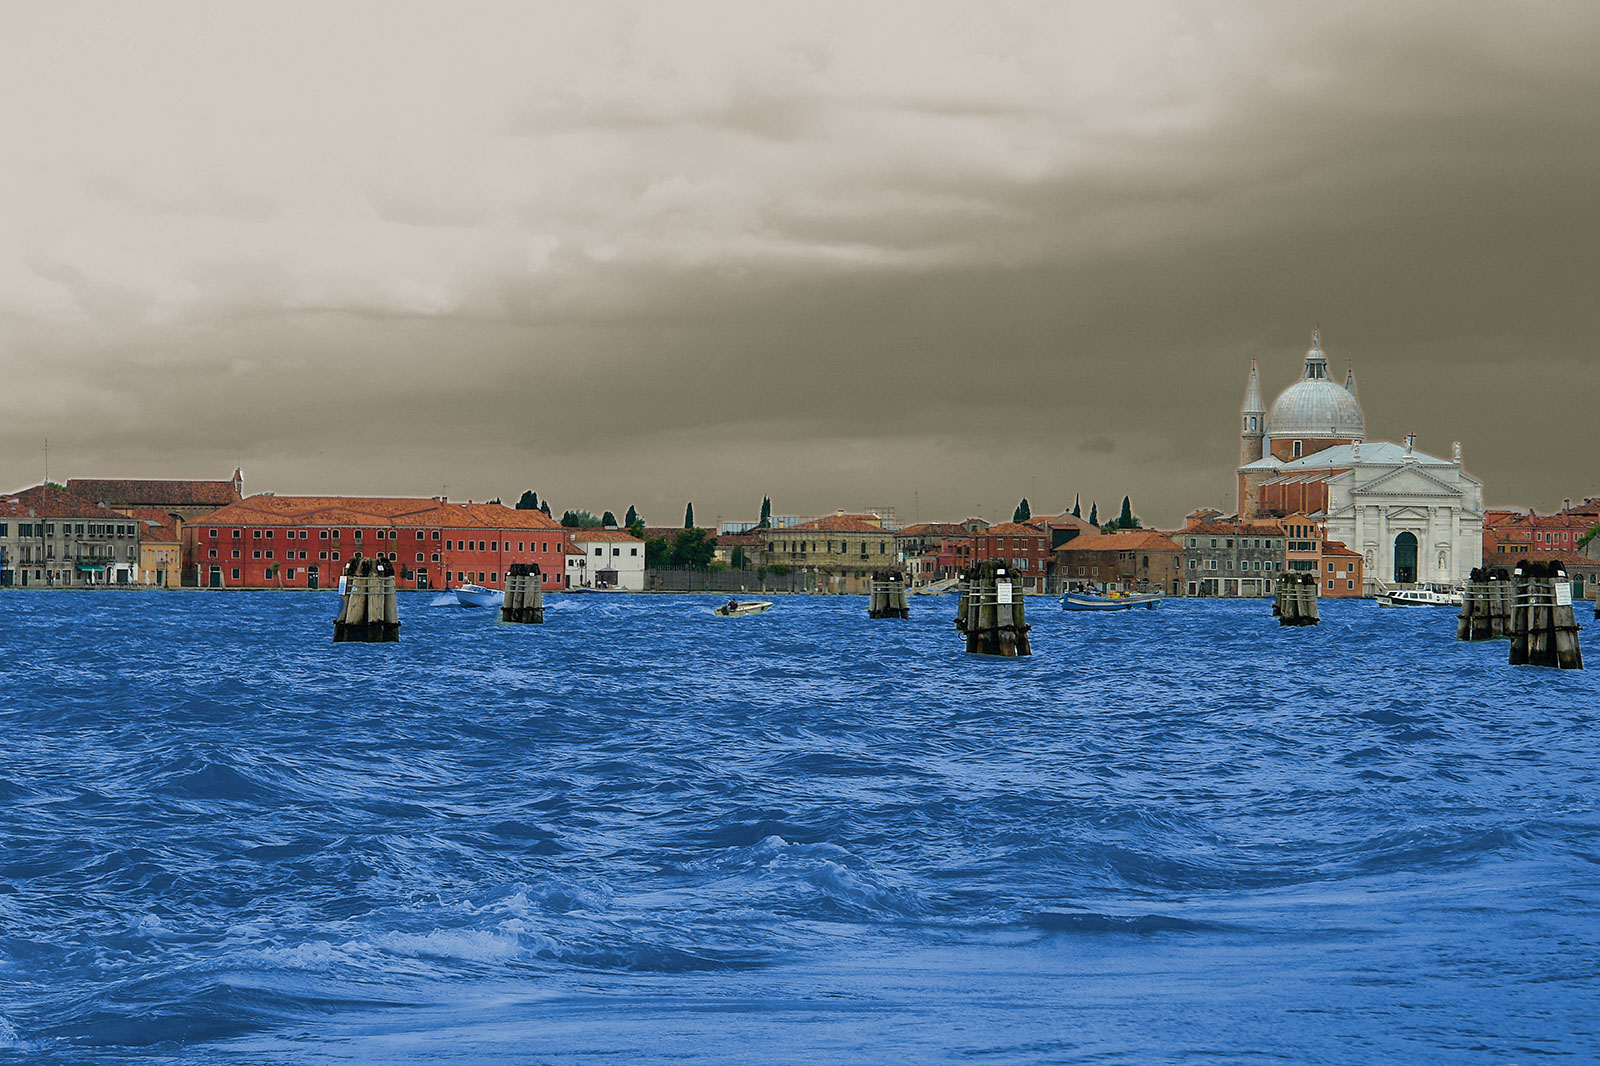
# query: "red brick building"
{"type": "Point", "coordinates": [305, 542]}
{"type": "Point", "coordinates": [182, 499]}
{"type": "Point", "coordinates": [1024, 548]}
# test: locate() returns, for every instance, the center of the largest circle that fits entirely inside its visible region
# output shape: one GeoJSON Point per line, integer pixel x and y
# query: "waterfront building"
{"type": "Point", "coordinates": [1511, 536]}
{"type": "Point", "coordinates": [53, 538]}
{"type": "Point", "coordinates": [933, 551]}
{"type": "Point", "coordinates": [1227, 557]}
{"type": "Point", "coordinates": [1123, 559]}
{"type": "Point", "coordinates": [752, 544]}
{"type": "Point", "coordinates": [608, 558]}
{"type": "Point", "coordinates": [1022, 547]}
{"type": "Point", "coordinates": [305, 542]}
{"type": "Point", "coordinates": [160, 547]}
{"type": "Point", "coordinates": [1063, 527]}
{"type": "Point", "coordinates": [838, 543]}
{"type": "Point", "coordinates": [183, 499]}
{"type": "Point", "coordinates": [1413, 517]}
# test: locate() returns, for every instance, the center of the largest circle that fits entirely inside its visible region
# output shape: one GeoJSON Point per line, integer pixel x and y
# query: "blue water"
{"type": "Point", "coordinates": [642, 834]}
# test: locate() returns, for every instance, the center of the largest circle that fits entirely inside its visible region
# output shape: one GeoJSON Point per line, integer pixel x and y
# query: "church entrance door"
{"type": "Point", "coordinates": [1405, 558]}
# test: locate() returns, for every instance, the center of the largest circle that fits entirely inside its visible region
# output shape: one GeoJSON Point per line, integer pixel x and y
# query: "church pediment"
{"type": "Point", "coordinates": [1408, 481]}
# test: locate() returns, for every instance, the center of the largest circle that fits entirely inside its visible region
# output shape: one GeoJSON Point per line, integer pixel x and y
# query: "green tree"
{"type": "Point", "coordinates": [1077, 511]}
{"type": "Point", "coordinates": [544, 505]}
{"type": "Point", "coordinates": [692, 549]}
{"type": "Point", "coordinates": [579, 520]}
{"type": "Point", "coordinates": [636, 528]}
{"type": "Point", "coordinates": [631, 517]}
{"type": "Point", "coordinates": [1023, 511]}
{"type": "Point", "coordinates": [766, 513]}
{"type": "Point", "coordinates": [495, 501]}
{"type": "Point", "coordinates": [528, 501]}
{"type": "Point", "coordinates": [688, 516]}
{"type": "Point", "coordinates": [737, 560]}
{"type": "Point", "coordinates": [1126, 520]}
{"type": "Point", "coordinates": [1094, 514]}
{"type": "Point", "coordinates": [608, 520]}
{"type": "Point", "coordinates": [657, 553]}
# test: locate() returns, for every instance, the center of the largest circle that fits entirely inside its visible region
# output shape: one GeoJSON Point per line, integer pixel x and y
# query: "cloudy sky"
{"type": "Point", "coordinates": [937, 257]}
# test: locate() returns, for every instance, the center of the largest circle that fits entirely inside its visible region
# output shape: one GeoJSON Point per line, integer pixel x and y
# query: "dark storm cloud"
{"type": "Point", "coordinates": [671, 273]}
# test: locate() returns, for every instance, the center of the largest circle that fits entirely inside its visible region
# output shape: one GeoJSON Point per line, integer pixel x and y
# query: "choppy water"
{"type": "Point", "coordinates": [639, 833]}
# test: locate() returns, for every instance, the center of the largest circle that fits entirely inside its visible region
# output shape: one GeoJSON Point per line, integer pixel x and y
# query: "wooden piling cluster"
{"type": "Point", "coordinates": [370, 613]}
{"type": "Point", "coordinates": [1544, 631]}
{"type": "Point", "coordinates": [993, 620]}
{"type": "Point", "coordinates": [524, 600]}
{"type": "Point", "coordinates": [1296, 602]}
{"type": "Point", "coordinates": [1485, 606]}
{"type": "Point", "coordinates": [888, 596]}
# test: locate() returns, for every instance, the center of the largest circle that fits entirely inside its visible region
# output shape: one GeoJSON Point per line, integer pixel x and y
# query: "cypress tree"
{"type": "Point", "coordinates": [688, 516]}
{"type": "Point", "coordinates": [1023, 511]}
{"type": "Point", "coordinates": [766, 513]}
{"type": "Point", "coordinates": [544, 505]}
{"type": "Point", "coordinates": [1094, 514]}
{"type": "Point", "coordinates": [1077, 511]}
{"type": "Point", "coordinates": [528, 501]}
{"type": "Point", "coordinates": [1125, 520]}
{"type": "Point", "coordinates": [631, 517]}
{"type": "Point", "coordinates": [608, 520]}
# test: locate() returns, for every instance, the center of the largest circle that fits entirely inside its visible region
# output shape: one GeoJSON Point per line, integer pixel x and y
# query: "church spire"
{"type": "Point", "coordinates": [1252, 393]}
{"type": "Point", "coordinates": [1350, 379]}
{"type": "Point", "coordinates": [1252, 419]}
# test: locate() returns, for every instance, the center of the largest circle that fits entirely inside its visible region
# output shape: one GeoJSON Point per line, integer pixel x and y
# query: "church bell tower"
{"type": "Point", "coordinates": [1252, 419]}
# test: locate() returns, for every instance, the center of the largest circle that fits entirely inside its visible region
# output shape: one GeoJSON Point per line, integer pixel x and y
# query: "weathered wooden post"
{"type": "Point", "coordinates": [995, 617]}
{"type": "Point", "coordinates": [370, 612]}
{"type": "Point", "coordinates": [524, 601]}
{"type": "Point", "coordinates": [964, 599]}
{"type": "Point", "coordinates": [1477, 621]}
{"type": "Point", "coordinates": [1296, 602]}
{"type": "Point", "coordinates": [888, 596]}
{"type": "Point", "coordinates": [1544, 627]}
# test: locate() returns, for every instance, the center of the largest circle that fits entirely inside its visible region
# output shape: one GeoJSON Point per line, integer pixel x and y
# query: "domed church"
{"type": "Point", "coordinates": [1414, 517]}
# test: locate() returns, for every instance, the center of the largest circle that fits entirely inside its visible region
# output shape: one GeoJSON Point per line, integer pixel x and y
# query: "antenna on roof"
{"type": "Point", "coordinates": [47, 460]}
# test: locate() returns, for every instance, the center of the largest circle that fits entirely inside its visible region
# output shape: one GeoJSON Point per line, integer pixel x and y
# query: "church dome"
{"type": "Point", "coordinates": [1316, 406]}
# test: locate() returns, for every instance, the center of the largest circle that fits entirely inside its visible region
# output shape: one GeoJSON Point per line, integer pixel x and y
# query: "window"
{"type": "Point", "coordinates": [597, 551]}
{"type": "Point", "coordinates": [494, 545]}
{"type": "Point", "coordinates": [238, 533]}
{"type": "Point", "coordinates": [289, 573]}
{"type": "Point", "coordinates": [436, 534]}
{"type": "Point", "coordinates": [450, 545]}
{"type": "Point", "coordinates": [1330, 568]}
{"type": "Point", "coordinates": [323, 533]}
{"type": "Point", "coordinates": [212, 554]}
{"type": "Point", "coordinates": [322, 554]}
{"type": "Point", "coordinates": [494, 576]}
{"type": "Point", "coordinates": [1349, 584]}
{"type": "Point", "coordinates": [357, 534]}
{"type": "Point", "coordinates": [633, 551]}
{"type": "Point", "coordinates": [421, 536]}
{"type": "Point", "coordinates": [236, 573]}
{"type": "Point", "coordinates": [544, 546]}
{"type": "Point", "coordinates": [256, 533]}
{"type": "Point", "coordinates": [1297, 449]}
{"type": "Point", "coordinates": [419, 557]}
{"type": "Point", "coordinates": [256, 554]}
{"type": "Point", "coordinates": [236, 553]}
{"type": "Point", "coordinates": [269, 553]}
{"type": "Point", "coordinates": [520, 547]}
{"type": "Point", "coordinates": [335, 556]}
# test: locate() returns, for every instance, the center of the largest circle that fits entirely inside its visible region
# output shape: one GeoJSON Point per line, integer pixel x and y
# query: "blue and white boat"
{"type": "Point", "coordinates": [1088, 600]}
{"type": "Point", "coordinates": [479, 596]}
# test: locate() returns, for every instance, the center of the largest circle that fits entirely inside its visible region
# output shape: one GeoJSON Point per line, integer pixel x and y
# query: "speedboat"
{"type": "Point", "coordinates": [735, 609]}
{"type": "Point", "coordinates": [1422, 596]}
{"type": "Point", "coordinates": [1109, 601]}
{"type": "Point", "coordinates": [478, 596]}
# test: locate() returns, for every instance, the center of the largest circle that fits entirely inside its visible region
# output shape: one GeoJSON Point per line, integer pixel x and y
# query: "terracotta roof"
{"type": "Point", "coordinates": [1014, 529]}
{"type": "Point", "coordinates": [1233, 529]}
{"type": "Point", "coordinates": [835, 523]}
{"type": "Point", "coordinates": [153, 493]}
{"type": "Point", "coordinates": [1065, 520]}
{"type": "Point", "coordinates": [592, 535]}
{"type": "Point", "coordinates": [1336, 547]}
{"type": "Point", "coordinates": [934, 529]}
{"type": "Point", "coordinates": [375, 511]}
{"type": "Point", "coordinates": [46, 501]}
{"type": "Point", "coordinates": [1121, 541]}
{"type": "Point", "coordinates": [740, 540]}
{"type": "Point", "coordinates": [155, 524]}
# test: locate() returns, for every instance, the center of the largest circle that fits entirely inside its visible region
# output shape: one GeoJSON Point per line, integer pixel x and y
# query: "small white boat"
{"type": "Point", "coordinates": [1110, 601]}
{"type": "Point", "coordinates": [735, 609]}
{"type": "Point", "coordinates": [478, 596]}
{"type": "Point", "coordinates": [1422, 596]}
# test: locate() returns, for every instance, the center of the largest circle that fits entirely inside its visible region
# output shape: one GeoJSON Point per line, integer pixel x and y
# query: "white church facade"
{"type": "Point", "coordinates": [1415, 518]}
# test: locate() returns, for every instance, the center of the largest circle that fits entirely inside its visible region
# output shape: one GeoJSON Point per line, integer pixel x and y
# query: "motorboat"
{"type": "Point", "coordinates": [478, 596]}
{"type": "Point", "coordinates": [1090, 600]}
{"type": "Point", "coordinates": [1421, 596]}
{"type": "Point", "coordinates": [735, 609]}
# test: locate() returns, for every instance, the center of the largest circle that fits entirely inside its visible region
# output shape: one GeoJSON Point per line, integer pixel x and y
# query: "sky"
{"type": "Point", "coordinates": [935, 257]}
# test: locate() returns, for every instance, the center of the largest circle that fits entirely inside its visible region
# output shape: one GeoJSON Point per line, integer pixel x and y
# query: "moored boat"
{"type": "Point", "coordinates": [478, 596]}
{"type": "Point", "coordinates": [1422, 596]}
{"type": "Point", "coordinates": [1088, 600]}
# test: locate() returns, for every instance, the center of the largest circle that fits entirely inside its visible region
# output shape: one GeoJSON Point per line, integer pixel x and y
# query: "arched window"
{"type": "Point", "coordinates": [1297, 449]}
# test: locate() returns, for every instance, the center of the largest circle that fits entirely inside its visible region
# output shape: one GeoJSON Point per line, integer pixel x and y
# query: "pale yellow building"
{"type": "Point", "coordinates": [838, 543]}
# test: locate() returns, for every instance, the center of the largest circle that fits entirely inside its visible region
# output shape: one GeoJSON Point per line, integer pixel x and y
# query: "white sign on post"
{"type": "Point", "coordinates": [1563, 594]}
{"type": "Point", "coordinates": [1002, 592]}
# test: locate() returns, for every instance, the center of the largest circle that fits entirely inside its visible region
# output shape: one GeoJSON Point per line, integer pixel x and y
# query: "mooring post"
{"type": "Point", "coordinates": [524, 600]}
{"type": "Point", "coordinates": [1478, 608]}
{"type": "Point", "coordinates": [996, 624]}
{"type": "Point", "coordinates": [1296, 602]}
{"type": "Point", "coordinates": [888, 595]}
{"type": "Point", "coordinates": [370, 612]}
{"type": "Point", "coordinates": [963, 600]}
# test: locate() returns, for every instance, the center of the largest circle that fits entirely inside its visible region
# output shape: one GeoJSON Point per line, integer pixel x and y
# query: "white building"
{"type": "Point", "coordinates": [1415, 518]}
{"type": "Point", "coordinates": [605, 558]}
